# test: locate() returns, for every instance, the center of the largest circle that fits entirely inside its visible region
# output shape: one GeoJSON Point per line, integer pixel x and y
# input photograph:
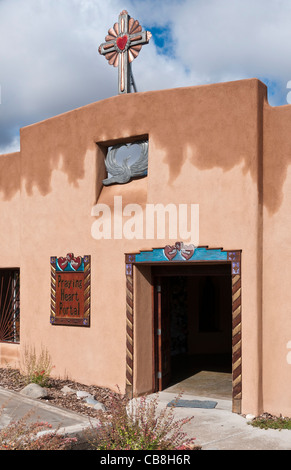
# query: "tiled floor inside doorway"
{"type": "Point", "coordinates": [207, 376]}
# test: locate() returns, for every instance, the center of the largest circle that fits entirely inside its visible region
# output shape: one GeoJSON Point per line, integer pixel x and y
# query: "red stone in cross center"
{"type": "Point", "coordinates": [121, 42]}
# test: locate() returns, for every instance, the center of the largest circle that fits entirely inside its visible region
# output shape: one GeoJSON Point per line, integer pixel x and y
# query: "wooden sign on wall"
{"type": "Point", "coordinates": [70, 290]}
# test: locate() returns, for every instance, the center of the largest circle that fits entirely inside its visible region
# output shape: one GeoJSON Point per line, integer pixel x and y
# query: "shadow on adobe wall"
{"type": "Point", "coordinates": [223, 124]}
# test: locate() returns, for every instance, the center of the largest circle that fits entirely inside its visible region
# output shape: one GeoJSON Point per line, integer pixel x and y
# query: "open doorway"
{"type": "Point", "coordinates": [143, 338]}
{"type": "Point", "coordinates": [193, 329]}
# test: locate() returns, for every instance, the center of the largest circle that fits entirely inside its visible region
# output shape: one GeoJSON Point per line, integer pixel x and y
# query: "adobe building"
{"type": "Point", "coordinates": [113, 309]}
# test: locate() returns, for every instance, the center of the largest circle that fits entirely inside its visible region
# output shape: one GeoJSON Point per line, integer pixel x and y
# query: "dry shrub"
{"type": "Point", "coordinates": [139, 425]}
{"type": "Point", "coordinates": [36, 368]}
{"type": "Point", "coordinates": [24, 435]}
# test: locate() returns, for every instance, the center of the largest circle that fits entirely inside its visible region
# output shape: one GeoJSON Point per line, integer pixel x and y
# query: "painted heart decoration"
{"type": "Point", "coordinates": [187, 251]}
{"type": "Point", "coordinates": [121, 42]}
{"type": "Point", "coordinates": [170, 252]}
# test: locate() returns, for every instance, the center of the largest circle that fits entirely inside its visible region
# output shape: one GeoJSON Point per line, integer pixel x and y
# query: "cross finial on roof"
{"type": "Point", "coordinates": [123, 44]}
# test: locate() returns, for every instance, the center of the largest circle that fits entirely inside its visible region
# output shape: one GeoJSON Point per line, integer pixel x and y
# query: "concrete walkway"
{"type": "Point", "coordinates": [14, 406]}
{"type": "Point", "coordinates": [214, 429]}
{"type": "Point", "coordinates": [220, 429]}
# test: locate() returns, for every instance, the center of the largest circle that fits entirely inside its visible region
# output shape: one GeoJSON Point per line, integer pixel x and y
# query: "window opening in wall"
{"type": "Point", "coordinates": [9, 306]}
{"type": "Point", "coordinates": [126, 161]}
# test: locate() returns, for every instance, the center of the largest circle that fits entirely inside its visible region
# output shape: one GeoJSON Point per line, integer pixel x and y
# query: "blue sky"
{"type": "Point", "coordinates": [49, 61]}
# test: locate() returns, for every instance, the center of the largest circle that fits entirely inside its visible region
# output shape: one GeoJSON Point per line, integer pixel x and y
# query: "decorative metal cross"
{"type": "Point", "coordinates": [123, 44]}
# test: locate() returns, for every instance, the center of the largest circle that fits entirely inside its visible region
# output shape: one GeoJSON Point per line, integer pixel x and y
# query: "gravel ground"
{"type": "Point", "coordinates": [11, 379]}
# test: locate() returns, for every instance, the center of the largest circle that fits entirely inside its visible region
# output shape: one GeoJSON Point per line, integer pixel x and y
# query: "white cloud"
{"type": "Point", "coordinates": [49, 61]}
{"type": "Point", "coordinates": [239, 35]}
{"type": "Point", "coordinates": [13, 146]}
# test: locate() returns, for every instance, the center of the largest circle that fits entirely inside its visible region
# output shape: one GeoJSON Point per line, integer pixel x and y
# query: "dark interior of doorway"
{"type": "Point", "coordinates": [196, 310]}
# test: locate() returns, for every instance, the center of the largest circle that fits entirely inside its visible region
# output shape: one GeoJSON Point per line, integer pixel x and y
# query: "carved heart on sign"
{"type": "Point", "coordinates": [121, 42]}
{"type": "Point", "coordinates": [70, 258]}
{"type": "Point", "coordinates": [76, 263]}
{"type": "Point", "coordinates": [62, 262]}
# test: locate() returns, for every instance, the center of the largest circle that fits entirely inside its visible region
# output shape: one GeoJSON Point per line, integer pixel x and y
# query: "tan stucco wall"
{"type": "Point", "coordinates": [10, 232]}
{"type": "Point", "coordinates": [276, 325]}
{"type": "Point", "coordinates": [10, 210]}
{"type": "Point", "coordinates": [205, 147]}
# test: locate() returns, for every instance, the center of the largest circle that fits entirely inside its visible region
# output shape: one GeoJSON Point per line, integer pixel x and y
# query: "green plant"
{"type": "Point", "coordinates": [271, 422]}
{"type": "Point", "coordinates": [36, 369]}
{"type": "Point", "coordinates": [22, 435]}
{"type": "Point", "coordinates": [138, 425]}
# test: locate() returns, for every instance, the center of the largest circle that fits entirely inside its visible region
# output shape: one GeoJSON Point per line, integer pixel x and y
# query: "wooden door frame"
{"type": "Point", "coordinates": [188, 255]}
{"type": "Point", "coordinates": [157, 340]}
